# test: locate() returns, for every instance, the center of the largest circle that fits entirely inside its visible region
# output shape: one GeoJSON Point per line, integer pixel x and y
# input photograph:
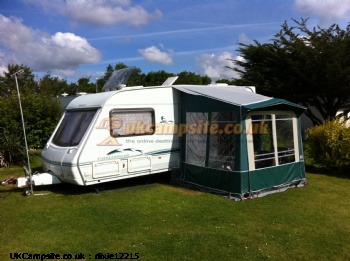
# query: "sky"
{"type": "Point", "coordinates": [80, 38]}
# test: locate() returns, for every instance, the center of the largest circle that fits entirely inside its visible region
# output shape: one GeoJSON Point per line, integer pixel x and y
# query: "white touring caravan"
{"type": "Point", "coordinates": [112, 135]}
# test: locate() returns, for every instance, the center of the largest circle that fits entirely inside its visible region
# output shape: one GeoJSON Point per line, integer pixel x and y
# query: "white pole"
{"type": "Point", "coordinates": [96, 84]}
{"type": "Point", "coordinates": [24, 131]}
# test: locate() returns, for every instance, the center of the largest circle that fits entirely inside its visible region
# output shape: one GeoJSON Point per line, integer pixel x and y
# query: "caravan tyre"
{"type": "Point", "coordinates": [26, 192]}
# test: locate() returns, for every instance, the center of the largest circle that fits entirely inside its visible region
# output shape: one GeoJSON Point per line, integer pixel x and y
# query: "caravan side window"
{"type": "Point", "coordinates": [131, 122]}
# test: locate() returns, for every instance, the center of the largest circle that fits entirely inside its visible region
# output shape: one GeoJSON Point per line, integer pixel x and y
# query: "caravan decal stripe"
{"type": "Point", "coordinates": [153, 153]}
{"type": "Point", "coordinates": [57, 163]}
{"type": "Point", "coordinates": [159, 152]}
{"type": "Point", "coordinates": [51, 162]}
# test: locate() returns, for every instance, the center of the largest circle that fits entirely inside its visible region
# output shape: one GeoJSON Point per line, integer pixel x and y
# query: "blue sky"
{"type": "Point", "coordinates": [80, 38]}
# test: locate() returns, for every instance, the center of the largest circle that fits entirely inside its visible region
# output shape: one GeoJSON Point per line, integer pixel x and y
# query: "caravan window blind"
{"type": "Point", "coordinates": [131, 122]}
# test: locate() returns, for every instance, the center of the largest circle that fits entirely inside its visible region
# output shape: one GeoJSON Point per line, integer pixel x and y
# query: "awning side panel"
{"type": "Point", "coordinates": [212, 179]}
{"type": "Point", "coordinates": [261, 179]}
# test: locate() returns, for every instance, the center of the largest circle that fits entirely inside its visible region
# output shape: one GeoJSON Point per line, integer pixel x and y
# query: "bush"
{"type": "Point", "coordinates": [10, 147]}
{"type": "Point", "coordinates": [41, 114]}
{"type": "Point", "coordinates": [329, 144]}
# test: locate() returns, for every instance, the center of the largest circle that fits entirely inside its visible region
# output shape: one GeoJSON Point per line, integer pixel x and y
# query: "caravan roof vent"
{"type": "Point", "coordinates": [118, 79]}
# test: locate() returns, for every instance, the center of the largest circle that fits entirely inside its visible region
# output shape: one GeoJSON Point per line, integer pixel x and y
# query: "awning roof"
{"type": "Point", "coordinates": [240, 96]}
{"type": "Point", "coordinates": [229, 94]}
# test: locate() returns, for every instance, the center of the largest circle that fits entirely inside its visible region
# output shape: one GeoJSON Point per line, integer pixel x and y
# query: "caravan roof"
{"type": "Point", "coordinates": [90, 100]}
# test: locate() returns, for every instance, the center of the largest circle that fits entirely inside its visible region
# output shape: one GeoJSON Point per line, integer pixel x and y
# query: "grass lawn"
{"type": "Point", "coordinates": [162, 221]}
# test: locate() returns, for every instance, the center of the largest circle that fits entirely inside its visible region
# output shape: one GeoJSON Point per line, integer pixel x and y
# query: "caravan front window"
{"type": "Point", "coordinates": [73, 127]}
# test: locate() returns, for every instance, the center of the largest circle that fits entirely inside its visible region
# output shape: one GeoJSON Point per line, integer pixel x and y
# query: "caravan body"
{"type": "Point", "coordinates": [115, 135]}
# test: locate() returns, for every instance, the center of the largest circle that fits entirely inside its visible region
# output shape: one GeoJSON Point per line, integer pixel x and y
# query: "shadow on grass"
{"type": "Point", "coordinates": [314, 169]}
{"type": "Point", "coordinates": [70, 189]}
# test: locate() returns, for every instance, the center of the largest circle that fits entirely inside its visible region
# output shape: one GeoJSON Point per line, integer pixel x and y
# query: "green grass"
{"type": "Point", "coordinates": [162, 221]}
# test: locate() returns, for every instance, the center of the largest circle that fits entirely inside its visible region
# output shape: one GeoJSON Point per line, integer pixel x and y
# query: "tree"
{"type": "Point", "coordinates": [136, 78]}
{"type": "Point", "coordinates": [232, 82]}
{"type": "Point", "coordinates": [156, 78]}
{"type": "Point", "coordinates": [41, 114]}
{"type": "Point", "coordinates": [109, 71]}
{"type": "Point", "coordinates": [119, 66]}
{"type": "Point", "coordinates": [84, 85]}
{"type": "Point", "coordinates": [192, 78]}
{"type": "Point", "coordinates": [206, 79]}
{"type": "Point", "coordinates": [26, 80]}
{"type": "Point", "coordinates": [72, 87]}
{"type": "Point", "coordinates": [53, 86]}
{"type": "Point", "coordinates": [307, 66]}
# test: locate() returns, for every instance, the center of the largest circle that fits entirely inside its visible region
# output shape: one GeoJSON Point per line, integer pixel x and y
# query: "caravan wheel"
{"type": "Point", "coordinates": [26, 192]}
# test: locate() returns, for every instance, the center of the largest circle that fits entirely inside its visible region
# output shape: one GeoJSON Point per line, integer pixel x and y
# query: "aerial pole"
{"type": "Point", "coordinates": [29, 171]}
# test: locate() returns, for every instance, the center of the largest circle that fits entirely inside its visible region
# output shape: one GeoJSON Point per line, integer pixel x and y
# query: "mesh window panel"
{"type": "Point", "coordinates": [196, 140]}
{"type": "Point", "coordinates": [222, 143]}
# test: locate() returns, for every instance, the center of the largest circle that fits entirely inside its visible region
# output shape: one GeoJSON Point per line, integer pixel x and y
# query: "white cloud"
{"type": "Point", "coordinates": [154, 55]}
{"type": "Point", "coordinates": [2, 64]}
{"type": "Point", "coordinates": [213, 65]}
{"type": "Point", "coordinates": [101, 12]}
{"type": "Point", "coordinates": [327, 10]}
{"type": "Point", "coordinates": [243, 38]}
{"type": "Point", "coordinates": [41, 51]}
